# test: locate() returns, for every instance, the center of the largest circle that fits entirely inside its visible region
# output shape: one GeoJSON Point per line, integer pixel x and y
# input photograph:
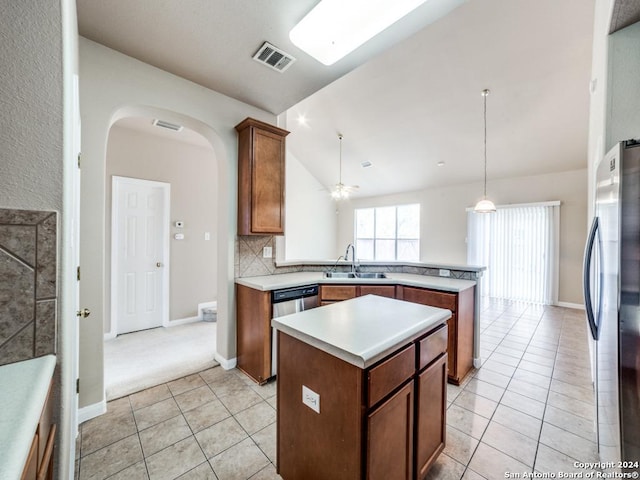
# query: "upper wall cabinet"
{"type": "Point", "coordinates": [261, 154]}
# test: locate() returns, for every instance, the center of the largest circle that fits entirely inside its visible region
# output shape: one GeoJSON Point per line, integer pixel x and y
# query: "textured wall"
{"type": "Point", "coordinates": [30, 105]}
{"type": "Point", "coordinates": [28, 286]}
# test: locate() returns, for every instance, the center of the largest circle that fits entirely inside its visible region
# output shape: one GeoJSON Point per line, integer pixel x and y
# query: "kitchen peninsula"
{"type": "Point", "coordinates": [361, 390]}
{"type": "Point", "coordinates": [254, 312]}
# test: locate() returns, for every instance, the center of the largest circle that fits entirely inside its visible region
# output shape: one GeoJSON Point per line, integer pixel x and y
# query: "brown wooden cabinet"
{"type": "Point", "coordinates": [430, 421]}
{"type": "Point", "coordinates": [39, 464]}
{"type": "Point", "coordinates": [253, 316]}
{"type": "Point", "coordinates": [337, 293]}
{"type": "Point", "coordinates": [261, 177]}
{"type": "Point", "coordinates": [383, 422]}
{"type": "Point", "coordinates": [390, 437]}
{"type": "Point", "coordinates": [460, 324]}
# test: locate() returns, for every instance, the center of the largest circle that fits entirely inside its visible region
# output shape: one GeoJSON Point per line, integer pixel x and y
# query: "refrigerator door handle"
{"type": "Point", "coordinates": [586, 278]}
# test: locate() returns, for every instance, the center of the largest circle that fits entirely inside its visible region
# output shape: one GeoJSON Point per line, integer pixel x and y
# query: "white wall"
{"type": "Point", "coordinates": [599, 79]}
{"type": "Point", "coordinates": [38, 55]}
{"type": "Point", "coordinates": [443, 222]}
{"type": "Point", "coordinates": [114, 86]}
{"type": "Point", "coordinates": [191, 172]}
{"type": "Point", "coordinates": [310, 222]}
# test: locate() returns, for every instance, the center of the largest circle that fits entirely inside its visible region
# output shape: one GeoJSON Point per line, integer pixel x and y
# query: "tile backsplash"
{"type": "Point", "coordinates": [249, 262]}
{"type": "Point", "coordinates": [28, 288]}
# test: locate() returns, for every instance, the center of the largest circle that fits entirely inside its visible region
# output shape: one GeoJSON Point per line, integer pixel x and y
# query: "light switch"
{"type": "Point", "coordinates": [207, 236]}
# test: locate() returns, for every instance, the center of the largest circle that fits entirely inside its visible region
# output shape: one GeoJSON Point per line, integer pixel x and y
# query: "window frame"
{"type": "Point", "coordinates": [395, 237]}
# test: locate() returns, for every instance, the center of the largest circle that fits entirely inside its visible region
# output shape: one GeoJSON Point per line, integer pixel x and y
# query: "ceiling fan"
{"type": "Point", "coordinates": [340, 191]}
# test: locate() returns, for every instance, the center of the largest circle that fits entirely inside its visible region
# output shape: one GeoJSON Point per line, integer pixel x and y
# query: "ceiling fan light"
{"type": "Point", "coordinates": [334, 28]}
{"type": "Point", "coordinates": [484, 206]}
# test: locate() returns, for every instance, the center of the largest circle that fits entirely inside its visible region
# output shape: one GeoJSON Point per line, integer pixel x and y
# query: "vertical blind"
{"type": "Point", "coordinates": [519, 246]}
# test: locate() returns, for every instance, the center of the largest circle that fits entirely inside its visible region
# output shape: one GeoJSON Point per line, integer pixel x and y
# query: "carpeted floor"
{"type": "Point", "coordinates": [139, 360]}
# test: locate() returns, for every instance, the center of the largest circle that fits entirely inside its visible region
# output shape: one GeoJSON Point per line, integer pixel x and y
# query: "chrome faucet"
{"type": "Point", "coordinates": [354, 265]}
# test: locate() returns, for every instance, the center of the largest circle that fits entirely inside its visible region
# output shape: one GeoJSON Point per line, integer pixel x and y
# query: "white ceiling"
{"type": "Point", "coordinates": [403, 108]}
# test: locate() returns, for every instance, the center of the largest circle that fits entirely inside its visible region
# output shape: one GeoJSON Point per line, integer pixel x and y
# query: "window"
{"type": "Point", "coordinates": [519, 246]}
{"type": "Point", "coordinates": [388, 233]}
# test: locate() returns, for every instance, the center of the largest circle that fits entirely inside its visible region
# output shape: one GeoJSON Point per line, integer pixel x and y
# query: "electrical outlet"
{"type": "Point", "coordinates": [267, 252]}
{"type": "Point", "coordinates": [445, 273]}
{"type": "Point", "coordinates": [311, 399]}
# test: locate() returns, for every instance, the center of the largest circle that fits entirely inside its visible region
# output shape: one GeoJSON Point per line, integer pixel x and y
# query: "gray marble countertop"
{"type": "Point", "coordinates": [287, 280]}
{"type": "Point", "coordinates": [23, 391]}
{"type": "Point", "coordinates": [362, 330]}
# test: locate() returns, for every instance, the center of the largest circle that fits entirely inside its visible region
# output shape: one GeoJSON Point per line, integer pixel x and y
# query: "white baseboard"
{"type": "Point", "coordinates": [92, 411]}
{"type": "Point", "coordinates": [577, 306]}
{"type": "Point", "coordinates": [224, 363]}
{"type": "Point", "coordinates": [182, 321]}
{"type": "Point", "coordinates": [110, 335]}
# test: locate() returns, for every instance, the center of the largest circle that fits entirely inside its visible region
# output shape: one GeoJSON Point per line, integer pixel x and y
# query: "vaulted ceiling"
{"type": "Point", "coordinates": [406, 101]}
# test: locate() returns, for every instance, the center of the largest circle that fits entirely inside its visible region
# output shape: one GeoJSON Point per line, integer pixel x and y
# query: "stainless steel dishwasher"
{"type": "Point", "coordinates": [286, 302]}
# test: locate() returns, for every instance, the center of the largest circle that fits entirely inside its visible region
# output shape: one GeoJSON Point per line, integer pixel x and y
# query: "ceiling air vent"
{"type": "Point", "coordinates": [167, 125]}
{"type": "Point", "coordinates": [273, 57]}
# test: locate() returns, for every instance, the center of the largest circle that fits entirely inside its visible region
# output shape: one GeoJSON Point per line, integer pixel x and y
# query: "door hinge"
{"type": "Point", "coordinates": [79, 157]}
{"type": "Point", "coordinates": [78, 273]}
{"type": "Point", "coordinates": [77, 385]}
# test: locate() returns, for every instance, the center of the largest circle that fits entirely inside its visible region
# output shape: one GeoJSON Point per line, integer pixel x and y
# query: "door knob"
{"type": "Point", "coordinates": [84, 313]}
{"type": "Point", "coordinates": [159, 264]}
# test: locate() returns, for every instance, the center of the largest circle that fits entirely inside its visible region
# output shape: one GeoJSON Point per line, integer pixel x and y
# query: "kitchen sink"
{"type": "Point", "coordinates": [371, 275]}
{"type": "Point", "coordinates": [339, 275]}
{"type": "Point", "coordinates": [355, 275]}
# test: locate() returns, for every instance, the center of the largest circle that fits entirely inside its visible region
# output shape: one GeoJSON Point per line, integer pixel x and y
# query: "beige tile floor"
{"type": "Point", "coordinates": [528, 409]}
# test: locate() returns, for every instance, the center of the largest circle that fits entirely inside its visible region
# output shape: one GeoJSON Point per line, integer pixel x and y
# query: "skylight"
{"type": "Point", "coordinates": [335, 28]}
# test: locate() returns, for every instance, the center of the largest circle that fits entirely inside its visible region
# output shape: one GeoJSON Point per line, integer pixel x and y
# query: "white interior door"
{"type": "Point", "coordinates": [140, 254]}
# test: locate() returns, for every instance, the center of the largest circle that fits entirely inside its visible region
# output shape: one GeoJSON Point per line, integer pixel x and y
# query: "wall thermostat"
{"type": "Point", "coordinates": [179, 224]}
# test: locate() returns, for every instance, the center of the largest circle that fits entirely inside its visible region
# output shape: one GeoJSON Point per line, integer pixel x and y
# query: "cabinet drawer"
{"type": "Point", "coordinates": [391, 373]}
{"type": "Point", "coordinates": [430, 297]}
{"type": "Point", "coordinates": [337, 292]}
{"type": "Point", "coordinates": [380, 290]}
{"type": "Point", "coordinates": [432, 346]}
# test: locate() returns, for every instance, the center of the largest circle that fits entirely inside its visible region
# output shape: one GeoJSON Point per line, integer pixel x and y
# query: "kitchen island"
{"type": "Point", "coordinates": [361, 390]}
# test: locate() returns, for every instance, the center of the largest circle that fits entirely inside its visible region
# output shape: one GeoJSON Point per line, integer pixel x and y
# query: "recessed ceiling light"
{"type": "Point", "coordinates": [440, 164]}
{"type": "Point", "coordinates": [366, 164]}
{"type": "Point", "coordinates": [302, 120]}
{"type": "Point", "coordinates": [335, 28]}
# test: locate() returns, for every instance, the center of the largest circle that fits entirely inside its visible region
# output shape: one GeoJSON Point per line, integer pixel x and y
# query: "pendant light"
{"type": "Point", "coordinates": [485, 205]}
{"type": "Point", "coordinates": [341, 191]}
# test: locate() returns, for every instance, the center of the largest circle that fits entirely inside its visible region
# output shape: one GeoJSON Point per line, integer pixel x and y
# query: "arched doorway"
{"type": "Point", "coordinates": [161, 245]}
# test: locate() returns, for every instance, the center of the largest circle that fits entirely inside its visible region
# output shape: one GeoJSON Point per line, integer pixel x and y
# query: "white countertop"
{"type": "Point", "coordinates": [287, 280]}
{"type": "Point", "coordinates": [23, 391]}
{"type": "Point", "coordinates": [362, 330]}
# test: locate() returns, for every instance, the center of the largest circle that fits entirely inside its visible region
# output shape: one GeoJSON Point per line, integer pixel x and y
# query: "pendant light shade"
{"type": "Point", "coordinates": [485, 205]}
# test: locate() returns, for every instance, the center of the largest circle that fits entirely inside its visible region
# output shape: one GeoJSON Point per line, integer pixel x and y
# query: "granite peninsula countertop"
{"type": "Point", "coordinates": [362, 330]}
{"type": "Point", "coordinates": [23, 391]}
{"type": "Point", "coordinates": [287, 280]}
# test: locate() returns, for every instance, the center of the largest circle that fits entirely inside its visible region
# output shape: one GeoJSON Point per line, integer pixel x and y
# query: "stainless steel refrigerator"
{"type": "Point", "coordinates": [612, 301]}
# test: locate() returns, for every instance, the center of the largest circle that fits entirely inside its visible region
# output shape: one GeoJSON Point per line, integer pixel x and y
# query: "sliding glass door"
{"type": "Point", "coordinates": [519, 246]}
